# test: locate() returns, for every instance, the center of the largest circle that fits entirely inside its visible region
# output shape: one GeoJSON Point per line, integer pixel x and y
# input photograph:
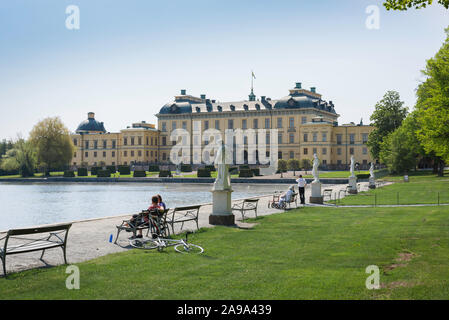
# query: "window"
{"type": "Point", "coordinates": [244, 124]}
{"type": "Point", "coordinates": [291, 138]}
{"type": "Point", "coordinates": [352, 138]}
{"type": "Point", "coordinates": [139, 141]}
{"type": "Point", "coordinates": [164, 141]}
{"type": "Point", "coordinates": [164, 126]}
{"type": "Point", "coordinates": [95, 144]}
{"type": "Point", "coordinates": [255, 123]}
{"type": "Point", "coordinates": [324, 151]}
{"type": "Point", "coordinates": [104, 154]}
{"type": "Point", "coordinates": [339, 162]}
{"type": "Point", "coordinates": [75, 142]}
{"type": "Point", "coordinates": [267, 123]}
{"type": "Point", "coordinates": [113, 144]}
{"type": "Point", "coordinates": [184, 125]}
{"type": "Point", "coordinates": [315, 136]}
{"type": "Point", "coordinates": [339, 138]}
{"type": "Point", "coordinates": [306, 151]}
{"type": "Point", "coordinates": [164, 156]}
{"type": "Point", "coordinates": [314, 150]}
{"type": "Point", "coordinates": [217, 124]}
{"type": "Point", "coordinates": [132, 141]}
{"type": "Point", "coordinates": [87, 144]}
{"type": "Point", "coordinates": [292, 155]}
{"type": "Point", "coordinates": [365, 151]}
{"type": "Point", "coordinates": [364, 138]}
{"type": "Point", "coordinates": [267, 138]}
{"type": "Point", "coordinates": [324, 136]}
{"type": "Point", "coordinates": [132, 153]}
{"type": "Point", "coordinates": [324, 162]}
{"type": "Point", "coordinates": [113, 153]}
{"type": "Point", "coordinates": [151, 140]}
{"type": "Point", "coordinates": [339, 151]}
{"type": "Point", "coordinates": [74, 155]}
{"type": "Point", "coordinates": [206, 125]}
{"type": "Point", "coordinates": [139, 153]}
{"type": "Point", "coordinates": [351, 151]}
{"type": "Point", "coordinates": [306, 137]}
{"type": "Point", "coordinates": [173, 125]}
{"type": "Point", "coordinates": [279, 123]}
{"type": "Point", "coordinates": [125, 141]}
{"type": "Point", "coordinates": [95, 154]}
{"type": "Point", "coordinates": [105, 144]}
{"type": "Point", "coordinates": [125, 153]}
{"type": "Point", "coordinates": [86, 154]}
{"type": "Point", "coordinates": [304, 120]}
{"type": "Point", "coordinates": [291, 122]}
{"type": "Point", "coordinates": [230, 124]}
{"type": "Point", "coordinates": [280, 155]}
{"type": "Point", "coordinates": [279, 138]}
{"type": "Point", "coordinates": [148, 141]}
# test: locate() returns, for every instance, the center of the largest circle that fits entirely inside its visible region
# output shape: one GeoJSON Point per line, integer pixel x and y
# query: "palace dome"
{"type": "Point", "coordinates": [91, 125]}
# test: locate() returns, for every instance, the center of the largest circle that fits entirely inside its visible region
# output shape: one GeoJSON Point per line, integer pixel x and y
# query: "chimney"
{"type": "Point", "coordinates": [91, 115]}
{"type": "Point", "coordinates": [298, 85]}
{"type": "Point", "coordinates": [183, 92]}
{"type": "Point", "coordinates": [203, 96]}
{"type": "Point", "coordinates": [262, 98]}
{"type": "Point", "coordinates": [313, 89]}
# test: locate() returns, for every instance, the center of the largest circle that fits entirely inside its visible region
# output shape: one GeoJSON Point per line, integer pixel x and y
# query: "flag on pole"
{"type": "Point", "coordinates": [254, 76]}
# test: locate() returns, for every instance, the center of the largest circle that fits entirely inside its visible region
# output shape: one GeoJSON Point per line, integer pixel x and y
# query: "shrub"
{"type": "Point", "coordinates": [82, 172]}
{"type": "Point", "coordinates": [233, 170]}
{"type": "Point", "coordinates": [282, 165]}
{"type": "Point", "coordinates": [256, 172]}
{"type": "Point", "coordinates": [211, 168]}
{"type": "Point", "coordinates": [363, 176]}
{"type": "Point", "coordinates": [165, 174]}
{"type": "Point", "coordinates": [153, 168]}
{"type": "Point", "coordinates": [94, 170]}
{"type": "Point", "coordinates": [246, 173]}
{"type": "Point", "coordinates": [124, 170]}
{"type": "Point", "coordinates": [103, 174]}
{"type": "Point", "coordinates": [245, 166]}
{"type": "Point", "coordinates": [203, 173]}
{"type": "Point", "coordinates": [111, 169]}
{"type": "Point", "coordinates": [69, 174]}
{"type": "Point", "coordinates": [139, 174]}
{"type": "Point", "coordinates": [186, 168]}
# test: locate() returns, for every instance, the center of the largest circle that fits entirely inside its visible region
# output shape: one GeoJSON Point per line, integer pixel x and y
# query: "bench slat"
{"type": "Point", "coordinates": [21, 232]}
{"type": "Point", "coordinates": [38, 245]}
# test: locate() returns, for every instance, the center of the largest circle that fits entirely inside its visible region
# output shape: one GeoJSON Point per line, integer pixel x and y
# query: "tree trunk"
{"type": "Point", "coordinates": [441, 169]}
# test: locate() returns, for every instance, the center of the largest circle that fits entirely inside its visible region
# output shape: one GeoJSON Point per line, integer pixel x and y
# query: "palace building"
{"type": "Point", "coordinates": [306, 124]}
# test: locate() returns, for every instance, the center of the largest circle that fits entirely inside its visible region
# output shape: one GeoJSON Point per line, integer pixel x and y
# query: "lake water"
{"type": "Point", "coordinates": [25, 205]}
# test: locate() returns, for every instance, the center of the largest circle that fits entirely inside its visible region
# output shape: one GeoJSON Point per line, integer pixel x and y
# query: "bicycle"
{"type": "Point", "coordinates": [181, 246]}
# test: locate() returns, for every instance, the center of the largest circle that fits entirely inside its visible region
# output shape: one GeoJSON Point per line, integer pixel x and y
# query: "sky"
{"type": "Point", "coordinates": [129, 58]}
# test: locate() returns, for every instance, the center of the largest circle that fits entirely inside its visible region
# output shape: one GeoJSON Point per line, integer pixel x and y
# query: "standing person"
{"type": "Point", "coordinates": [302, 187]}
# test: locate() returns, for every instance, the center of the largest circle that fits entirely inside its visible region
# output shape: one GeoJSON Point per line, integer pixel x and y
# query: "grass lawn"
{"type": "Point", "coordinates": [336, 174]}
{"type": "Point", "coordinates": [423, 188]}
{"type": "Point", "coordinates": [312, 253]}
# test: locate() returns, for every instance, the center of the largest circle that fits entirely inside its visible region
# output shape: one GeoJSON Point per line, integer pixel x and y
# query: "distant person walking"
{"type": "Point", "coordinates": [302, 187]}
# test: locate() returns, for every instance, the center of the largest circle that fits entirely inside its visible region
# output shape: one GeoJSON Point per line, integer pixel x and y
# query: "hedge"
{"type": "Point", "coordinates": [139, 174]}
{"type": "Point", "coordinates": [233, 170]}
{"type": "Point", "coordinates": [124, 169]}
{"type": "Point", "coordinates": [211, 168]}
{"type": "Point", "coordinates": [186, 168]}
{"type": "Point", "coordinates": [103, 174]}
{"type": "Point", "coordinates": [165, 174]}
{"type": "Point", "coordinates": [94, 170]}
{"type": "Point", "coordinates": [82, 172]}
{"type": "Point", "coordinates": [256, 172]}
{"type": "Point", "coordinates": [69, 174]}
{"type": "Point", "coordinates": [153, 168]}
{"type": "Point", "coordinates": [203, 173]}
{"type": "Point", "coordinates": [111, 169]}
{"type": "Point", "coordinates": [363, 176]}
{"type": "Point", "coordinates": [246, 173]}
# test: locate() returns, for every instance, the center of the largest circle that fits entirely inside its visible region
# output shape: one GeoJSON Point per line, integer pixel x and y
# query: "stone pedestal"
{"type": "Point", "coordinates": [353, 185]}
{"type": "Point", "coordinates": [316, 197]}
{"type": "Point", "coordinates": [221, 208]}
{"type": "Point", "coordinates": [372, 183]}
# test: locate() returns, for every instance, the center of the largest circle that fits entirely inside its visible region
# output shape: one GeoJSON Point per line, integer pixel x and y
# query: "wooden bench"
{"type": "Point", "coordinates": [245, 206]}
{"type": "Point", "coordinates": [137, 223]}
{"type": "Point", "coordinates": [327, 193]}
{"type": "Point", "coordinates": [183, 215]}
{"type": "Point", "coordinates": [25, 244]}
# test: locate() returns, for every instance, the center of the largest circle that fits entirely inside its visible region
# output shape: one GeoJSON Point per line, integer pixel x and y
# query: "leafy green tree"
{"type": "Point", "coordinates": [407, 4]}
{"type": "Point", "coordinates": [401, 149]}
{"type": "Point", "coordinates": [282, 166]}
{"type": "Point", "coordinates": [433, 106]}
{"type": "Point", "coordinates": [53, 144]}
{"type": "Point", "coordinates": [306, 164]}
{"type": "Point", "coordinates": [293, 165]}
{"type": "Point", "coordinates": [387, 117]}
{"type": "Point", "coordinates": [21, 157]}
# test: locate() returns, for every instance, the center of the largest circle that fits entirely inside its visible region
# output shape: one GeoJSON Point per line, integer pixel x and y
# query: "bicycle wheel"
{"type": "Point", "coordinates": [146, 244]}
{"type": "Point", "coordinates": [188, 248]}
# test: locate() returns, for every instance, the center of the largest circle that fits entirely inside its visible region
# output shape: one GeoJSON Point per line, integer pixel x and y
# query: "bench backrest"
{"type": "Point", "coordinates": [190, 208]}
{"type": "Point", "coordinates": [21, 232]}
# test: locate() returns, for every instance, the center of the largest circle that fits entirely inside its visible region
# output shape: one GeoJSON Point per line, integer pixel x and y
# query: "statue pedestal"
{"type": "Point", "coordinates": [353, 185]}
{"type": "Point", "coordinates": [316, 197]}
{"type": "Point", "coordinates": [372, 183]}
{"type": "Point", "coordinates": [221, 208]}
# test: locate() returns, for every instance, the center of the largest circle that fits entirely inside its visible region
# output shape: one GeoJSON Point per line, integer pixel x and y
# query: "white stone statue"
{"type": "Point", "coordinates": [316, 163]}
{"type": "Point", "coordinates": [371, 170]}
{"type": "Point", "coordinates": [352, 167]}
{"type": "Point", "coordinates": [223, 181]}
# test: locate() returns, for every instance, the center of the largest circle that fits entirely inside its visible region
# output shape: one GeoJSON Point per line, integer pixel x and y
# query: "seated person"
{"type": "Point", "coordinates": [153, 209]}
{"type": "Point", "coordinates": [161, 203]}
{"type": "Point", "coordinates": [286, 197]}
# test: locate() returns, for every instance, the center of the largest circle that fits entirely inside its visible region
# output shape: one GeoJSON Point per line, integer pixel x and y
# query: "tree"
{"type": "Point", "coordinates": [433, 106]}
{"type": "Point", "coordinates": [387, 117]}
{"type": "Point", "coordinates": [21, 157]}
{"type": "Point", "coordinates": [293, 165]}
{"type": "Point", "coordinates": [53, 144]}
{"type": "Point", "coordinates": [306, 164]}
{"type": "Point", "coordinates": [401, 149]}
{"type": "Point", "coordinates": [282, 166]}
{"type": "Point", "coordinates": [407, 4]}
